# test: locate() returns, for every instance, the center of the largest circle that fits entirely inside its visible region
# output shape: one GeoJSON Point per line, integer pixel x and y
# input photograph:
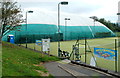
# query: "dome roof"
{"type": "Point", "coordinates": [47, 17]}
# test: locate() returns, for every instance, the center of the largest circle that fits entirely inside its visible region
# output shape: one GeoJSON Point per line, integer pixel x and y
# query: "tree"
{"type": "Point", "coordinates": [11, 16]}
{"type": "Point", "coordinates": [94, 18]}
{"type": "Point", "coordinates": [112, 26]}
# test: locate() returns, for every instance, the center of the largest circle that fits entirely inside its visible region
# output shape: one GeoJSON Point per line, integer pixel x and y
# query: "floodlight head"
{"type": "Point", "coordinates": [30, 11]}
{"type": "Point", "coordinates": [64, 3]}
{"type": "Point", "coordinates": [118, 13]}
{"type": "Point", "coordinates": [67, 18]}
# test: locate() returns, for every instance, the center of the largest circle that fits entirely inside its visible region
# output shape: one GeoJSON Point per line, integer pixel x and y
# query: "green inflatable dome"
{"type": "Point", "coordinates": [43, 24]}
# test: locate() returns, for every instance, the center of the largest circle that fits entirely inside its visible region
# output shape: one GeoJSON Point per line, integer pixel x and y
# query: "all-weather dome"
{"type": "Point", "coordinates": [44, 24]}
{"type": "Point", "coordinates": [47, 17]}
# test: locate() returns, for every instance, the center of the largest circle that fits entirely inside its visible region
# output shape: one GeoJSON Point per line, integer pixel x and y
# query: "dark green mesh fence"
{"type": "Point", "coordinates": [39, 31]}
{"type": "Point", "coordinates": [31, 38]}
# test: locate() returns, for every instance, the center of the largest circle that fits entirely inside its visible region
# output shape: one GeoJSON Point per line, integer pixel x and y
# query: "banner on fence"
{"type": "Point", "coordinates": [39, 42]}
{"type": "Point", "coordinates": [105, 53]}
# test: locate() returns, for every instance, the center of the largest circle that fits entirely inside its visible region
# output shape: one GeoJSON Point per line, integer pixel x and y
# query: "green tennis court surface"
{"type": "Point", "coordinates": [108, 43]}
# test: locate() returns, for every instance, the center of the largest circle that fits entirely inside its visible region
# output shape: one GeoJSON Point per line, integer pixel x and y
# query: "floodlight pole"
{"type": "Point", "coordinates": [26, 25]}
{"type": "Point", "coordinates": [66, 26]}
{"type": "Point", "coordinates": [58, 30]}
{"type": "Point", "coordinates": [61, 3]}
{"type": "Point", "coordinates": [94, 27]}
{"type": "Point", "coordinates": [94, 19]}
{"type": "Point", "coordinates": [26, 29]}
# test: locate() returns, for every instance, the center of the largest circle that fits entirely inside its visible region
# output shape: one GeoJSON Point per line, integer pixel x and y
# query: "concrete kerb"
{"type": "Point", "coordinates": [96, 68]}
{"type": "Point", "coordinates": [72, 72]}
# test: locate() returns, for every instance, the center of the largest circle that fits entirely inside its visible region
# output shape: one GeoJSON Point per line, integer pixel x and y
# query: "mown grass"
{"type": "Point", "coordinates": [17, 61]}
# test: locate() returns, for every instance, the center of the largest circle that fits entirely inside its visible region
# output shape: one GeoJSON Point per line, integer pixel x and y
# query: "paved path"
{"type": "Point", "coordinates": [56, 71]}
{"type": "Point", "coordinates": [66, 69]}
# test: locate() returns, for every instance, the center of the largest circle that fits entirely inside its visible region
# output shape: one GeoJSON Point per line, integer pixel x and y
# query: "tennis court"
{"type": "Point", "coordinates": [108, 43]}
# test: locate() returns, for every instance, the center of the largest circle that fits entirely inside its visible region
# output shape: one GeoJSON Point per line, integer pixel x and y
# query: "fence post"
{"type": "Point", "coordinates": [15, 37]}
{"type": "Point", "coordinates": [34, 40]}
{"type": "Point", "coordinates": [85, 50]}
{"type": "Point", "coordinates": [20, 39]}
{"type": "Point", "coordinates": [73, 51]}
{"type": "Point", "coordinates": [116, 55]}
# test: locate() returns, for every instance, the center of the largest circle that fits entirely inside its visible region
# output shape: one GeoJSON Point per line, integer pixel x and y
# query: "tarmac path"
{"type": "Point", "coordinates": [64, 69]}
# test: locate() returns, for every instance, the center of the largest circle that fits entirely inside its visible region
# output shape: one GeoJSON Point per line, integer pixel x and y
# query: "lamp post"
{"type": "Point", "coordinates": [94, 28]}
{"type": "Point", "coordinates": [94, 20]}
{"type": "Point", "coordinates": [66, 26]}
{"type": "Point", "coordinates": [26, 25]}
{"type": "Point", "coordinates": [61, 3]}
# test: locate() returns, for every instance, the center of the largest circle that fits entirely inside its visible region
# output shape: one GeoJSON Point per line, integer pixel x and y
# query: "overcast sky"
{"type": "Point", "coordinates": [101, 8]}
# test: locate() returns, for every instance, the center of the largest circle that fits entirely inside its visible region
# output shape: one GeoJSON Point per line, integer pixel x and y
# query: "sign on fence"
{"type": "Point", "coordinates": [45, 44]}
{"type": "Point", "coordinates": [105, 53]}
{"type": "Point", "coordinates": [92, 61]}
{"type": "Point", "coordinates": [38, 42]}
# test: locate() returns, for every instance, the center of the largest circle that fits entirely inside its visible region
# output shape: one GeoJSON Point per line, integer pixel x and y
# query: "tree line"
{"type": "Point", "coordinates": [113, 26]}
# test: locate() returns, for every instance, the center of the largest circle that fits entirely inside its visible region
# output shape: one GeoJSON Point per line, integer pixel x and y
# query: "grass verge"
{"type": "Point", "coordinates": [0, 60]}
{"type": "Point", "coordinates": [17, 61]}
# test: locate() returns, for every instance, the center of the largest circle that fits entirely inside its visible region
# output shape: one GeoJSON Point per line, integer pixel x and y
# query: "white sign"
{"type": "Point", "coordinates": [45, 44]}
{"type": "Point", "coordinates": [92, 61]}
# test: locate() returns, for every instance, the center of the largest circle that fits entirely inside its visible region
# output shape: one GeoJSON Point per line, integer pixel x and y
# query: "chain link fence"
{"type": "Point", "coordinates": [118, 54]}
{"type": "Point", "coordinates": [107, 59]}
{"type": "Point", "coordinates": [84, 49]}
